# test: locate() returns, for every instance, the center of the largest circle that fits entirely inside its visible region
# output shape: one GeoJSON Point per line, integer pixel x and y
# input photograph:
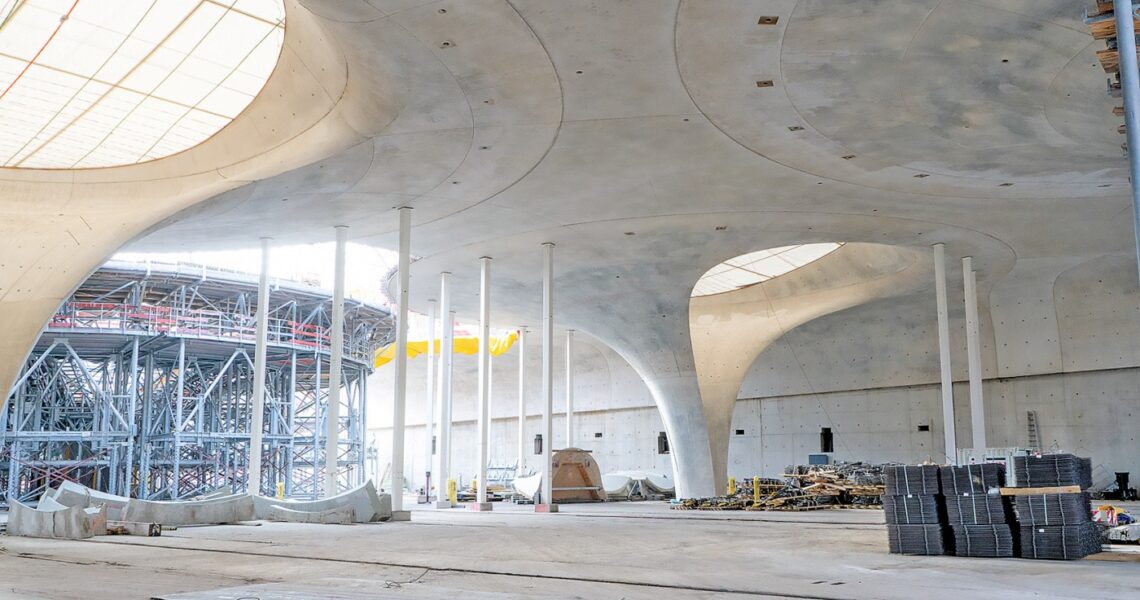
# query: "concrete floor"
{"type": "Point", "coordinates": [618, 550]}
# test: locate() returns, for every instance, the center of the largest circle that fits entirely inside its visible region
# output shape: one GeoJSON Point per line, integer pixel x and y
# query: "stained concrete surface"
{"type": "Point", "coordinates": [613, 550]}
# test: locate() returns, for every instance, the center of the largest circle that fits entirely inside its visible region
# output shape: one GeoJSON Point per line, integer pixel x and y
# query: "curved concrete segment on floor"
{"type": "Point", "coordinates": [367, 505]}
{"type": "Point", "coordinates": [54, 520]}
{"type": "Point", "coordinates": [343, 515]}
{"type": "Point", "coordinates": [230, 509]}
{"type": "Point", "coordinates": [70, 493]}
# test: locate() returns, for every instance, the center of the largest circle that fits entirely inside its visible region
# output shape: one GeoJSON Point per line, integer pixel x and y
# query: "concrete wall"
{"type": "Point", "coordinates": [1057, 338]}
{"type": "Point", "coordinates": [609, 398]}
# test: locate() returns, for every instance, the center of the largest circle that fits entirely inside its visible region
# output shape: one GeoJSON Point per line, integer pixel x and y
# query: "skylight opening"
{"type": "Point", "coordinates": [756, 267]}
{"type": "Point", "coordinates": [99, 83]}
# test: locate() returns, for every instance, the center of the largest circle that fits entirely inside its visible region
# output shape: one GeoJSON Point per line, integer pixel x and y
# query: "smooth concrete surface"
{"type": "Point", "coordinates": [615, 550]}
{"type": "Point", "coordinates": [54, 521]}
{"type": "Point", "coordinates": [731, 329]}
{"type": "Point", "coordinates": [635, 137]}
{"type": "Point", "coordinates": [227, 509]}
{"type": "Point", "coordinates": [365, 503]}
{"type": "Point", "coordinates": [333, 516]}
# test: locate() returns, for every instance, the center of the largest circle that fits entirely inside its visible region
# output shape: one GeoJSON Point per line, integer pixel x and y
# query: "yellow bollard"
{"type": "Point", "coordinates": [731, 486]}
{"type": "Point", "coordinates": [755, 490]}
{"type": "Point", "coordinates": [280, 490]}
{"type": "Point", "coordinates": [452, 493]}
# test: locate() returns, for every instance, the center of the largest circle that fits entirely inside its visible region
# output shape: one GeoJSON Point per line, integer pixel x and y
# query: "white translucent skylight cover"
{"type": "Point", "coordinates": [96, 83]}
{"type": "Point", "coordinates": [754, 267]}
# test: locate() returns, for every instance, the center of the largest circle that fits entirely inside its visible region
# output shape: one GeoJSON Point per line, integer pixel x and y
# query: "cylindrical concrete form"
{"type": "Point", "coordinates": [429, 401]}
{"type": "Point", "coordinates": [446, 367]}
{"type": "Point", "coordinates": [257, 412]}
{"type": "Point", "coordinates": [1130, 91]}
{"type": "Point", "coordinates": [946, 375]}
{"type": "Point", "coordinates": [520, 462]}
{"type": "Point", "coordinates": [974, 356]}
{"type": "Point", "coordinates": [484, 374]}
{"type": "Point", "coordinates": [336, 343]}
{"type": "Point", "coordinates": [570, 388]}
{"type": "Point", "coordinates": [547, 370]}
{"type": "Point", "coordinates": [400, 399]}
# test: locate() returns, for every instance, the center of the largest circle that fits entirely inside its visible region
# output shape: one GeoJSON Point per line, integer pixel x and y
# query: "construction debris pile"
{"type": "Point", "coordinates": [803, 487]}
{"type": "Point", "coordinates": [965, 511]}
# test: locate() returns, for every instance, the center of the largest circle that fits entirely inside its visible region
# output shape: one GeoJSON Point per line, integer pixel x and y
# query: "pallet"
{"type": "Point", "coordinates": [1037, 491]}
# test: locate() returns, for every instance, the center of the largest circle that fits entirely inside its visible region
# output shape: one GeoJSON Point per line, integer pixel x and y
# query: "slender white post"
{"type": "Point", "coordinates": [400, 399]}
{"type": "Point", "coordinates": [484, 377]}
{"type": "Point", "coordinates": [974, 355]}
{"type": "Point", "coordinates": [1130, 92]}
{"type": "Point", "coordinates": [547, 376]}
{"type": "Point", "coordinates": [336, 356]}
{"type": "Point", "coordinates": [429, 405]}
{"type": "Point", "coordinates": [947, 376]}
{"type": "Point", "coordinates": [570, 388]}
{"type": "Point", "coordinates": [520, 462]}
{"type": "Point", "coordinates": [257, 415]}
{"type": "Point", "coordinates": [447, 355]}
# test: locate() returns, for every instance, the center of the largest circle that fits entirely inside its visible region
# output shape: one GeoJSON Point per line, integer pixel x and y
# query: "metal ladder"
{"type": "Point", "coordinates": [1034, 432]}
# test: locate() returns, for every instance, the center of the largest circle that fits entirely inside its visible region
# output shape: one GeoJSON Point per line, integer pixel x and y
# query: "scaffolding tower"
{"type": "Point", "coordinates": [141, 385]}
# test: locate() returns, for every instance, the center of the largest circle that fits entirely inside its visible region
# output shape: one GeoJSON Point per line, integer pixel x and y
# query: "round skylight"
{"type": "Point", "coordinates": [755, 267]}
{"type": "Point", "coordinates": [98, 83]}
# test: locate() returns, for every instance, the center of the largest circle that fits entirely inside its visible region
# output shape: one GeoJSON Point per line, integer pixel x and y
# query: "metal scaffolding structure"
{"type": "Point", "coordinates": [141, 385]}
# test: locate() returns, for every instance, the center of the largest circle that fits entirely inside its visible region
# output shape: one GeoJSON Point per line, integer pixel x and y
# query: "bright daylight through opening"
{"type": "Point", "coordinates": [86, 83]}
{"type": "Point", "coordinates": [756, 267]}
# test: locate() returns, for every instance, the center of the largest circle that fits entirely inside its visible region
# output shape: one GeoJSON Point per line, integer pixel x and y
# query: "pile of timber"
{"type": "Point", "coordinates": [1101, 21]}
{"type": "Point", "coordinates": [803, 487]}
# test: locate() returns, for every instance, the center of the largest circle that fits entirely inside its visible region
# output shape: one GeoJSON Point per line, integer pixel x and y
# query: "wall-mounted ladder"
{"type": "Point", "coordinates": [1034, 431]}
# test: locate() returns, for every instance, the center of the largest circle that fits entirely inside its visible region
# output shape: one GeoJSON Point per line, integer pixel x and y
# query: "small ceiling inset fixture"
{"type": "Point", "coordinates": [99, 83]}
{"type": "Point", "coordinates": [764, 83]}
{"type": "Point", "coordinates": [756, 267]}
{"type": "Point", "coordinates": [768, 20]}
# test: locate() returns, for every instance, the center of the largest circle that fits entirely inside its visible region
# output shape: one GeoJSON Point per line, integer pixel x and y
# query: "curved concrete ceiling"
{"type": "Point", "coordinates": [508, 123]}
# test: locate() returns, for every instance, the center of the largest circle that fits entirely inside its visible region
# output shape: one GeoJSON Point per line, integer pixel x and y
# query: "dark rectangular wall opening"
{"type": "Point", "coordinates": [739, 432]}
{"type": "Point", "coordinates": [826, 441]}
{"type": "Point", "coordinates": [662, 443]}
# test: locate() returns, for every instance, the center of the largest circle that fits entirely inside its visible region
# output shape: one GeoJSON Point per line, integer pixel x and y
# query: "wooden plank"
{"type": "Point", "coordinates": [1064, 489]}
{"type": "Point", "coordinates": [1105, 27]}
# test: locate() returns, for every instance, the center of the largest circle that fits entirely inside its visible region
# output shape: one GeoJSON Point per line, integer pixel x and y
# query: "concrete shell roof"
{"type": "Point", "coordinates": [981, 124]}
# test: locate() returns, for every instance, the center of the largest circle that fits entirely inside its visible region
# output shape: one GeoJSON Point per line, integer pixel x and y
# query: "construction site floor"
{"type": "Point", "coordinates": [634, 551]}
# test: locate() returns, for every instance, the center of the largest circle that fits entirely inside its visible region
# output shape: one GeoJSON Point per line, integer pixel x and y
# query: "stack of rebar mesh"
{"type": "Point", "coordinates": [915, 513]}
{"type": "Point", "coordinates": [979, 517]}
{"type": "Point", "coordinates": [1055, 526]}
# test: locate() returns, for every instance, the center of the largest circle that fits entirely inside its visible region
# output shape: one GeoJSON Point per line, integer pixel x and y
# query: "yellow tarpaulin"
{"type": "Point", "coordinates": [462, 345]}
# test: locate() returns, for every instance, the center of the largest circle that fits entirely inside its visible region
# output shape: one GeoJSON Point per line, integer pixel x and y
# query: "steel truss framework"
{"type": "Point", "coordinates": [142, 383]}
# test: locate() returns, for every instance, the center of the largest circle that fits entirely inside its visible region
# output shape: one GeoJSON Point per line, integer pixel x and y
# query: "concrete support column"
{"type": "Point", "coordinates": [570, 388]}
{"type": "Point", "coordinates": [429, 404]}
{"type": "Point", "coordinates": [484, 381]}
{"type": "Point", "coordinates": [546, 504]}
{"type": "Point", "coordinates": [1130, 91]}
{"type": "Point", "coordinates": [974, 355]}
{"type": "Point", "coordinates": [446, 364]}
{"type": "Point", "coordinates": [520, 462]}
{"type": "Point", "coordinates": [946, 374]}
{"type": "Point", "coordinates": [400, 398]}
{"type": "Point", "coordinates": [336, 357]}
{"type": "Point", "coordinates": [257, 412]}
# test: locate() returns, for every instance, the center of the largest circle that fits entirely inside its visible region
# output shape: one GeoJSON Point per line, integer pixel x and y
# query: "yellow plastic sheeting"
{"type": "Point", "coordinates": [461, 345]}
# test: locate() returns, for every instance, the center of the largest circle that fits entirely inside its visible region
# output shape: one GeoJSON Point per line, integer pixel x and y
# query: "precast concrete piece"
{"type": "Point", "coordinates": [230, 509]}
{"type": "Point", "coordinates": [342, 515]}
{"type": "Point", "coordinates": [70, 493]}
{"type": "Point", "coordinates": [68, 522]}
{"type": "Point", "coordinates": [367, 505]}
